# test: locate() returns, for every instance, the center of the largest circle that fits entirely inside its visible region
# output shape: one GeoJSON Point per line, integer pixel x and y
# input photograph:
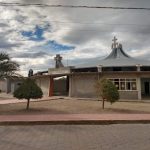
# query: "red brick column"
{"type": "Point", "coordinates": [51, 87]}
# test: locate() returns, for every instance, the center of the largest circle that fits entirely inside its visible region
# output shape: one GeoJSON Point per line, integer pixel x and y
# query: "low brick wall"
{"type": "Point", "coordinates": [128, 95]}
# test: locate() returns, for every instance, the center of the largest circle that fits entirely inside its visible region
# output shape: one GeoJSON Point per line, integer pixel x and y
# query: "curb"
{"type": "Point", "coordinates": [74, 122]}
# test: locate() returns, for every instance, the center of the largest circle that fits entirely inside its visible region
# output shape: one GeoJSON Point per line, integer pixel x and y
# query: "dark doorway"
{"type": "Point", "coordinates": [146, 86]}
{"type": "Point", "coordinates": [61, 86]}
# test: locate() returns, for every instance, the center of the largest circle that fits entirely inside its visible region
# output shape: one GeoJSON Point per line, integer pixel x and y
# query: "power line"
{"type": "Point", "coordinates": [90, 30]}
{"type": "Point", "coordinates": [72, 6]}
{"type": "Point", "coordinates": [84, 23]}
{"type": "Point", "coordinates": [96, 23]}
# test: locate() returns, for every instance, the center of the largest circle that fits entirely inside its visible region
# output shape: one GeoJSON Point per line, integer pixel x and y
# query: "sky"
{"type": "Point", "coordinates": [32, 35]}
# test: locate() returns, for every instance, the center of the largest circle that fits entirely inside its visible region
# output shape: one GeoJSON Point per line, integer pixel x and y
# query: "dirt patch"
{"type": "Point", "coordinates": [63, 106]}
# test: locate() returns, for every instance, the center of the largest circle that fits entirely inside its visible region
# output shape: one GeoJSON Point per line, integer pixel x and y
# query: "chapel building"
{"type": "Point", "coordinates": [131, 76]}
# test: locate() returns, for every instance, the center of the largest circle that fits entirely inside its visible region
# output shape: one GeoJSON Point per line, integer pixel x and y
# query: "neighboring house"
{"type": "Point", "coordinates": [9, 85]}
{"type": "Point", "coordinates": [131, 76]}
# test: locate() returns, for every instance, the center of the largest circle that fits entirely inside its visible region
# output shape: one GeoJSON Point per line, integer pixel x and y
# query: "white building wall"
{"type": "Point", "coordinates": [3, 85]}
{"type": "Point", "coordinates": [83, 85]}
{"type": "Point", "coordinates": [44, 83]}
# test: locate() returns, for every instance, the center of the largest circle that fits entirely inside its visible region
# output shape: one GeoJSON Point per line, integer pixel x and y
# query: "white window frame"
{"type": "Point", "coordinates": [125, 81]}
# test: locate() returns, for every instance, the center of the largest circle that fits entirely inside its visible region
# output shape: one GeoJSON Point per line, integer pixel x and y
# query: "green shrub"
{"type": "Point", "coordinates": [107, 90]}
{"type": "Point", "coordinates": [28, 90]}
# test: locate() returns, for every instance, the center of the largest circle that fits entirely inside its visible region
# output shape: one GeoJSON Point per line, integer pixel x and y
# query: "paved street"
{"type": "Point", "coordinates": [76, 137]}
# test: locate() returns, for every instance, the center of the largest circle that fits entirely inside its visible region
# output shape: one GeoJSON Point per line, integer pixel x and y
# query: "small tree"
{"type": "Point", "coordinates": [27, 90]}
{"type": "Point", "coordinates": [107, 90]}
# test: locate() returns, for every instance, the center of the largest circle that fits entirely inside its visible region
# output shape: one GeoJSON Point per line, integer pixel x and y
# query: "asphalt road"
{"type": "Point", "coordinates": [76, 137]}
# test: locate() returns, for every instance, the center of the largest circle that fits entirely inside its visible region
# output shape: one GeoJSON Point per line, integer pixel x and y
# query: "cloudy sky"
{"type": "Point", "coordinates": [32, 35]}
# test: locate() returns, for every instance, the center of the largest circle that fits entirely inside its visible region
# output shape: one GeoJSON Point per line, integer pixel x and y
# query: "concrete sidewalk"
{"type": "Point", "coordinates": [9, 99]}
{"type": "Point", "coordinates": [13, 100]}
{"type": "Point", "coordinates": [73, 119]}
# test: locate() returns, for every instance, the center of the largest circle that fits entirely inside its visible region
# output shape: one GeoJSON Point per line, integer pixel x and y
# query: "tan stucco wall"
{"type": "Point", "coordinates": [117, 75]}
{"type": "Point", "coordinates": [44, 83]}
{"type": "Point", "coordinates": [9, 86]}
{"type": "Point", "coordinates": [3, 85]}
{"type": "Point", "coordinates": [128, 95]}
{"type": "Point", "coordinates": [14, 85]}
{"type": "Point", "coordinates": [82, 85]}
{"type": "Point", "coordinates": [125, 94]}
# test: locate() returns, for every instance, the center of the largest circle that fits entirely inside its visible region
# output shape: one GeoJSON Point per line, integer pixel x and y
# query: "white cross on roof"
{"type": "Point", "coordinates": [115, 42]}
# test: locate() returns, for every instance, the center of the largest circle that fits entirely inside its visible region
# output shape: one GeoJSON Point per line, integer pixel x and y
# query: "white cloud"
{"type": "Point", "coordinates": [89, 30]}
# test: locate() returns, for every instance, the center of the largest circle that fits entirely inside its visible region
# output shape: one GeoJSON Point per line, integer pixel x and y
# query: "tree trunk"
{"type": "Point", "coordinates": [28, 102]}
{"type": "Point", "coordinates": [103, 101]}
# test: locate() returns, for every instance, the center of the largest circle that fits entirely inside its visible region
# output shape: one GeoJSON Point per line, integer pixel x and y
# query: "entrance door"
{"type": "Point", "coordinates": [61, 86]}
{"type": "Point", "coordinates": [146, 86]}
